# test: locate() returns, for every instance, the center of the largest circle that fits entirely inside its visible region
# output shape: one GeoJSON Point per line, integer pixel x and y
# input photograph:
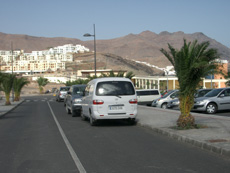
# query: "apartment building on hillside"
{"type": "Point", "coordinates": [39, 61]}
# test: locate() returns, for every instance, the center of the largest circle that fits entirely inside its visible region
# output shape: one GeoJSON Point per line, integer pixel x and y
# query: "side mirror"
{"type": "Point", "coordinates": [222, 95]}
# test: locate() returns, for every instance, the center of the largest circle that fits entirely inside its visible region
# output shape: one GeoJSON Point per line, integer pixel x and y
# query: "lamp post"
{"type": "Point", "coordinates": [94, 35]}
{"type": "Point", "coordinates": [12, 51]}
{"type": "Point", "coordinates": [167, 79]}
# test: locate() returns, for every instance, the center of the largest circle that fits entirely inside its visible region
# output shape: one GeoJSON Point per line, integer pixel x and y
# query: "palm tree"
{"type": "Point", "coordinates": [41, 83]}
{"type": "Point", "coordinates": [19, 83]}
{"type": "Point", "coordinates": [192, 62]}
{"type": "Point", "coordinates": [6, 84]}
{"type": "Point", "coordinates": [130, 75]}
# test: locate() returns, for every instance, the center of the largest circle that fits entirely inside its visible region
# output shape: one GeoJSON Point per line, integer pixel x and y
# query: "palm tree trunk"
{"type": "Point", "coordinates": [186, 119]}
{"type": "Point", "coordinates": [16, 96]}
{"type": "Point", "coordinates": [7, 99]}
{"type": "Point", "coordinates": [41, 89]}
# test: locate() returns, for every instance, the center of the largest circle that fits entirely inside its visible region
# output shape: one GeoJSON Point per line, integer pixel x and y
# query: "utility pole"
{"type": "Point", "coordinates": [12, 69]}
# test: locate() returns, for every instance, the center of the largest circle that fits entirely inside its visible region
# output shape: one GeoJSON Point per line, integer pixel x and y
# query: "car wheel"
{"type": "Point", "coordinates": [132, 121]}
{"type": "Point", "coordinates": [67, 110]}
{"type": "Point", "coordinates": [211, 108]}
{"type": "Point", "coordinates": [74, 114]}
{"type": "Point", "coordinates": [83, 116]}
{"type": "Point", "coordinates": [164, 106]}
{"type": "Point", "coordinates": [92, 121]}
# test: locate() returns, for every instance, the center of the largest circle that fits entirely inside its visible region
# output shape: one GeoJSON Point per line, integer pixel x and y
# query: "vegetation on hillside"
{"type": "Point", "coordinates": [129, 75]}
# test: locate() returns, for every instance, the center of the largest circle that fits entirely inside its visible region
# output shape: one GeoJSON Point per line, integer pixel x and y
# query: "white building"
{"type": "Point", "coordinates": [39, 61]}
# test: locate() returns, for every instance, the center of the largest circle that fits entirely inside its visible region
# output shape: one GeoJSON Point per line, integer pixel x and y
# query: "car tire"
{"type": "Point", "coordinates": [83, 116]}
{"type": "Point", "coordinates": [74, 114]}
{"type": "Point", "coordinates": [211, 108]}
{"type": "Point", "coordinates": [132, 121]}
{"type": "Point", "coordinates": [164, 106]}
{"type": "Point", "coordinates": [92, 121]}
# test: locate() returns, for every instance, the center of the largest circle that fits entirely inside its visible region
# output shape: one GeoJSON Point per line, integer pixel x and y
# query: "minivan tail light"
{"type": "Point", "coordinates": [133, 101]}
{"type": "Point", "coordinates": [98, 102]}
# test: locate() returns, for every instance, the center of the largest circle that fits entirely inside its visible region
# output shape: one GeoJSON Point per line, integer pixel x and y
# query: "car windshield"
{"type": "Point", "coordinates": [78, 90]}
{"type": "Point", "coordinates": [201, 93]}
{"type": "Point", "coordinates": [166, 95]}
{"type": "Point", "coordinates": [64, 89]}
{"type": "Point", "coordinates": [213, 93]}
{"type": "Point", "coordinates": [114, 88]}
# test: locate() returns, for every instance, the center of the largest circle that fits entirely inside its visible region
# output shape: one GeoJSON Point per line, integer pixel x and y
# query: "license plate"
{"type": "Point", "coordinates": [115, 107]}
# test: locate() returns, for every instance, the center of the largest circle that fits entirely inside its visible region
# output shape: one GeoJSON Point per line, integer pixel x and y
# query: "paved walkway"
{"type": "Point", "coordinates": [215, 138]}
{"type": "Point", "coordinates": [5, 109]}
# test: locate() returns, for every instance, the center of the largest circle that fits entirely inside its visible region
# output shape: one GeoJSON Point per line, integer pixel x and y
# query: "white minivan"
{"type": "Point", "coordinates": [147, 96]}
{"type": "Point", "coordinates": [109, 98]}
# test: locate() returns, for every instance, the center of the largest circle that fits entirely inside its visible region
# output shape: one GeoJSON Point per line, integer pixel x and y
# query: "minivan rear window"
{"type": "Point", "coordinates": [114, 88]}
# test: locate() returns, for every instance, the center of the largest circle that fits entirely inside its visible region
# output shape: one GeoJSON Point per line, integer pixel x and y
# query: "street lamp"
{"type": "Point", "coordinates": [12, 51]}
{"type": "Point", "coordinates": [167, 72]}
{"type": "Point", "coordinates": [94, 35]}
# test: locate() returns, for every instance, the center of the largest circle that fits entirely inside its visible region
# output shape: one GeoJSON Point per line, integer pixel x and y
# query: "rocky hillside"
{"type": "Point", "coordinates": [143, 47]}
{"type": "Point", "coordinates": [110, 61]}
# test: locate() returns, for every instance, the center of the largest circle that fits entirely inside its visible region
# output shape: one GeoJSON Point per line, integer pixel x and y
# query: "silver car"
{"type": "Point", "coordinates": [217, 99]}
{"type": "Point", "coordinates": [174, 104]}
{"type": "Point", "coordinates": [60, 95]}
{"type": "Point", "coordinates": [163, 101]}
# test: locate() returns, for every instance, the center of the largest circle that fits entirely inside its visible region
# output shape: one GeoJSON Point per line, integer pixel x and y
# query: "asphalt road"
{"type": "Point", "coordinates": [39, 136]}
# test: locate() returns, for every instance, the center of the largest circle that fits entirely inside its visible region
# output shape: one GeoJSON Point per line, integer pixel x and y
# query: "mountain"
{"type": "Point", "coordinates": [143, 47]}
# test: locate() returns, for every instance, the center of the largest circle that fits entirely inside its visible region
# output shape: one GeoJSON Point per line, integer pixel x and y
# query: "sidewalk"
{"type": "Point", "coordinates": [214, 138]}
{"type": "Point", "coordinates": [5, 109]}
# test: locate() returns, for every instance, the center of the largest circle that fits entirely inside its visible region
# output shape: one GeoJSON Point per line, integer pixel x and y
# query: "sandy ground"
{"type": "Point", "coordinates": [33, 88]}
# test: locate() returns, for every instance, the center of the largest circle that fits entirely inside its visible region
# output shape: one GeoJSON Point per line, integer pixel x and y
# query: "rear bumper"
{"type": "Point", "coordinates": [76, 107]}
{"type": "Point", "coordinates": [129, 115]}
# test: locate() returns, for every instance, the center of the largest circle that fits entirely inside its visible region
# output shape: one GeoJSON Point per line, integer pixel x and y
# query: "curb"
{"type": "Point", "coordinates": [203, 145]}
{"type": "Point", "coordinates": [14, 107]}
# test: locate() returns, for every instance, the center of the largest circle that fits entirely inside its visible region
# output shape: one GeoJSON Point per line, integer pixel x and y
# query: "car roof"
{"type": "Point", "coordinates": [146, 89]}
{"type": "Point", "coordinates": [110, 79]}
{"type": "Point", "coordinates": [80, 85]}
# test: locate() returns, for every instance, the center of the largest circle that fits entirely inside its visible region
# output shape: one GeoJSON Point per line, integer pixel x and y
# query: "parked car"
{"type": "Point", "coordinates": [73, 99]}
{"type": "Point", "coordinates": [146, 96]}
{"type": "Point", "coordinates": [217, 99]}
{"type": "Point", "coordinates": [109, 98]}
{"type": "Point", "coordinates": [174, 104]}
{"type": "Point", "coordinates": [60, 95]}
{"type": "Point", "coordinates": [163, 101]}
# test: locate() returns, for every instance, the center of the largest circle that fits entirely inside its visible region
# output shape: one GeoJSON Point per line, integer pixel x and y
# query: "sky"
{"type": "Point", "coordinates": [115, 18]}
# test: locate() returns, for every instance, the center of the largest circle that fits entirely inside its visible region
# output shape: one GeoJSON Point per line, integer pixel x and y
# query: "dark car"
{"type": "Point", "coordinates": [73, 99]}
{"type": "Point", "coordinates": [60, 95]}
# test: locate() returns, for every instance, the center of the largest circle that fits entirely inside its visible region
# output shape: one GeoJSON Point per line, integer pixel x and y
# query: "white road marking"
{"type": "Point", "coordinates": [68, 145]}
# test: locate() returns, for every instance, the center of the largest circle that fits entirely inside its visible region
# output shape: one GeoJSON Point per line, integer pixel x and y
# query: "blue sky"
{"type": "Point", "coordinates": [115, 18]}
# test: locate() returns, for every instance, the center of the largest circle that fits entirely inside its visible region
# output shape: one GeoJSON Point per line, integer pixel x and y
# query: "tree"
{"type": "Point", "coordinates": [41, 83]}
{"type": "Point", "coordinates": [19, 83]}
{"type": "Point", "coordinates": [76, 82]}
{"type": "Point", "coordinates": [6, 84]}
{"type": "Point", "coordinates": [192, 62]}
{"type": "Point", "coordinates": [129, 75]}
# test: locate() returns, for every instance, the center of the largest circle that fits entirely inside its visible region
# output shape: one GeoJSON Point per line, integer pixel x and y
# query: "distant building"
{"type": "Point", "coordinates": [39, 61]}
